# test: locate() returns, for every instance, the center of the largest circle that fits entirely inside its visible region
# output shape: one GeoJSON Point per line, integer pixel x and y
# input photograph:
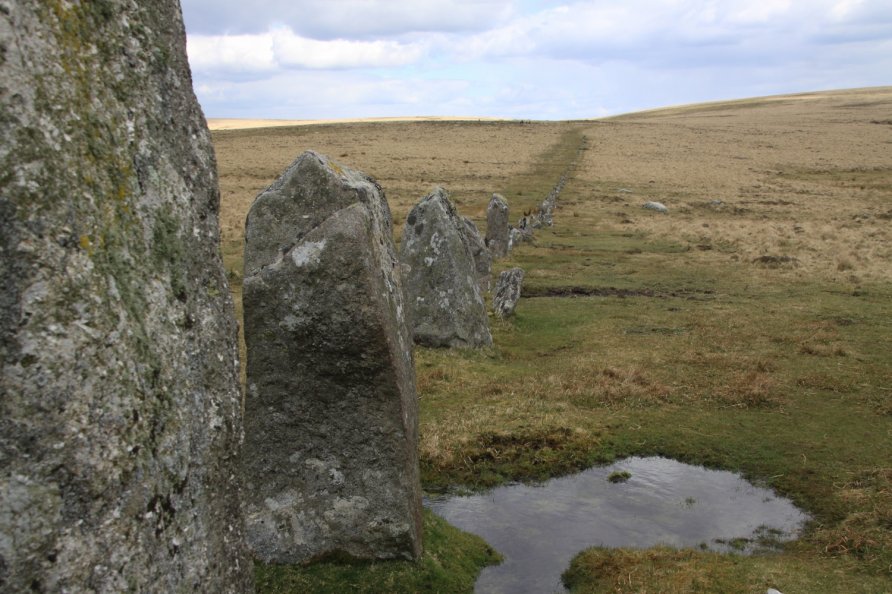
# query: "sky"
{"type": "Point", "coordinates": [523, 59]}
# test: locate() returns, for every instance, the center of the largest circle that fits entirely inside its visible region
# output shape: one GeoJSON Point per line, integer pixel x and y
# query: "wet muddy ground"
{"type": "Point", "coordinates": [637, 502]}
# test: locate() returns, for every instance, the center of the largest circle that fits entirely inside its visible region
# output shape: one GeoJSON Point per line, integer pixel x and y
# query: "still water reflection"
{"type": "Point", "coordinates": [538, 529]}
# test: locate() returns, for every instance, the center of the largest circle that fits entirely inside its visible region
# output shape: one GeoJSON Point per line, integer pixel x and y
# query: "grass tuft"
{"type": "Point", "coordinates": [619, 476]}
{"type": "Point", "coordinates": [450, 563]}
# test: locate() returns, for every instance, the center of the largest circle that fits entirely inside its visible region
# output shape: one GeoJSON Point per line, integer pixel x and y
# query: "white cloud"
{"type": "Point", "coordinates": [233, 53]}
{"type": "Point", "coordinates": [843, 8]}
{"type": "Point", "coordinates": [320, 94]}
{"type": "Point", "coordinates": [295, 51]}
{"type": "Point", "coordinates": [759, 12]}
{"type": "Point", "coordinates": [524, 58]}
{"type": "Point", "coordinates": [604, 30]}
{"type": "Point", "coordinates": [283, 49]}
{"type": "Point", "coordinates": [333, 19]}
{"type": "Point", "coordinates": [677, 31]}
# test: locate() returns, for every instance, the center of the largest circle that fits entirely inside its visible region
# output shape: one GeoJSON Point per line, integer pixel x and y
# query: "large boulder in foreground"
{"type": "Point", "coordinates": [446, 307]}
{"type": "Point", "coordinates": [497, 226]}
{"type": "Point", "coordinates": [120, 409]}
{"type": "Point", "coordinates": [331, 417]}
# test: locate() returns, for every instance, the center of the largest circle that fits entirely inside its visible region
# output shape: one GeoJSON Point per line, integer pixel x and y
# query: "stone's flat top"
{"type": "Point", "coordinates": [498, 200]}
{"type": "Point", "coordinates": [311, 189]}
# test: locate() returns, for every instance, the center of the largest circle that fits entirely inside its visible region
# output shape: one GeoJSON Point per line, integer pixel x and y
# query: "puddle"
{"type": "Point", "coordinates": [539, 529]}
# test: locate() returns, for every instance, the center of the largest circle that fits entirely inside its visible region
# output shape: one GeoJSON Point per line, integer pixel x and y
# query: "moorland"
{"type": "Point", "coordinates": [749, 329]}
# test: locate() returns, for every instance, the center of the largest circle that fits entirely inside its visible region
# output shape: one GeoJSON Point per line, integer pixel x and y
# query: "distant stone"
{"type": "Point", "coordinates": [546, 214]}
{"type": "Point", "coordinates": [528, 223]}
{"type": "Point", "coordinates": [656, 206]}
{"type": "Point", "coordinates": [497, 226]}
{"type": "Point", "coordinates": [518, 236]}
{"type": "Point", "coordinates": [772, 591]}
{"type": "Point", "coordinates": [120, 414]}
{"type": "Point", "coordinates": [545, 217]}
{"type": "Point", "coordinates": [507, 292]}
{"type": "Point", "coordinates": [331, 422]}
{"type": "Point", "coordinates": [482, 257]}
{"type": "Point", "coordinates": [446, 307]}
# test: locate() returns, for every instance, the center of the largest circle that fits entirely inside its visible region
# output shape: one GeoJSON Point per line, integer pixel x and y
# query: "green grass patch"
{"type": "Point", "coordinates": [665, 353]}
{"type": "Point", "coordinates": [619, 476]}
{"type": "Point", "coordinates": [671, 571]}
{"type": "Point", "coordinates": [527, 191]}
{"type": "Point", "coordinates": [450, 563]}
{"type": "Point", "coordinates": [646, 334]}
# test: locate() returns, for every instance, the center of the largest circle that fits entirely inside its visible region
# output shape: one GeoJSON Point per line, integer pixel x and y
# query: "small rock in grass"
{"type": "Point", "coordinates": [656, 206]}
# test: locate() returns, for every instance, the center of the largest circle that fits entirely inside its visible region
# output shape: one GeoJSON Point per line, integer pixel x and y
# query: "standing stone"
{"type": "Point", "coordinates": [482, 257]}
{"type": "Point", "coordinates": [518, 236]}
{"type": "Point", "coordinates": [120, 409]}
{"type": "Point", "coordinates": [331, 417]}
{"type": "Point", "coordinates": [497, 226]}
{"type": "Point", "coordinates": [546, 211]}
{"type": "Point", "coordinates": [507, 292]}
{"type": "Point", "coordinates": [446, 308]}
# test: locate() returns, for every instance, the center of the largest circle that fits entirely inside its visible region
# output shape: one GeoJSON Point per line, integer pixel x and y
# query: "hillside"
{"type": "Point", "coordinates": [749, 329]}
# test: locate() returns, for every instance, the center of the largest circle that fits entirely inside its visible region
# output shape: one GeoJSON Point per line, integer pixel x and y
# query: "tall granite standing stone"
{"type": "Point", "coordinates": [446, 307]}
{"type": "Point", "coordinates": [507, 292]}
{"type": "Point", "coordinates": [120, 408]}
{"type": "Point", "coordinates": [331, 417]}
{"type": "Point", "coordinates": [497, 226]}
{"type": "Point", "coordinates": [482, 257]}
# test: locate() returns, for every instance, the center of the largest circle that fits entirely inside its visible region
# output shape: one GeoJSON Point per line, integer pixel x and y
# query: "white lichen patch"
{"type": "Point", "coordinates": [435, 243]}
{"type": "Point", "coordinates": [337, 477]}
{"type": "Point", "coordinates": [283, 500]}
{"type": "Point", "coordinates": [307, 253]}
{"type": "Point", "coordinates": [346, 510]}
{"type": "Point", "coordinates": [290, 322]}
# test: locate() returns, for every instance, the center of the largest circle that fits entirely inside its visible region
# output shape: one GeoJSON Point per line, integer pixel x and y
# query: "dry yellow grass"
{"type": "Point", "coordinates": [806, 176]}
{"type": "Point", "coordinates": [408, 159]}
{"type": "Point", "coordinates": [796, 186]}
{"type": "Point", "coordinates": [802, 181]}
{"type": "Point", "coordinates": [747, 329]}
